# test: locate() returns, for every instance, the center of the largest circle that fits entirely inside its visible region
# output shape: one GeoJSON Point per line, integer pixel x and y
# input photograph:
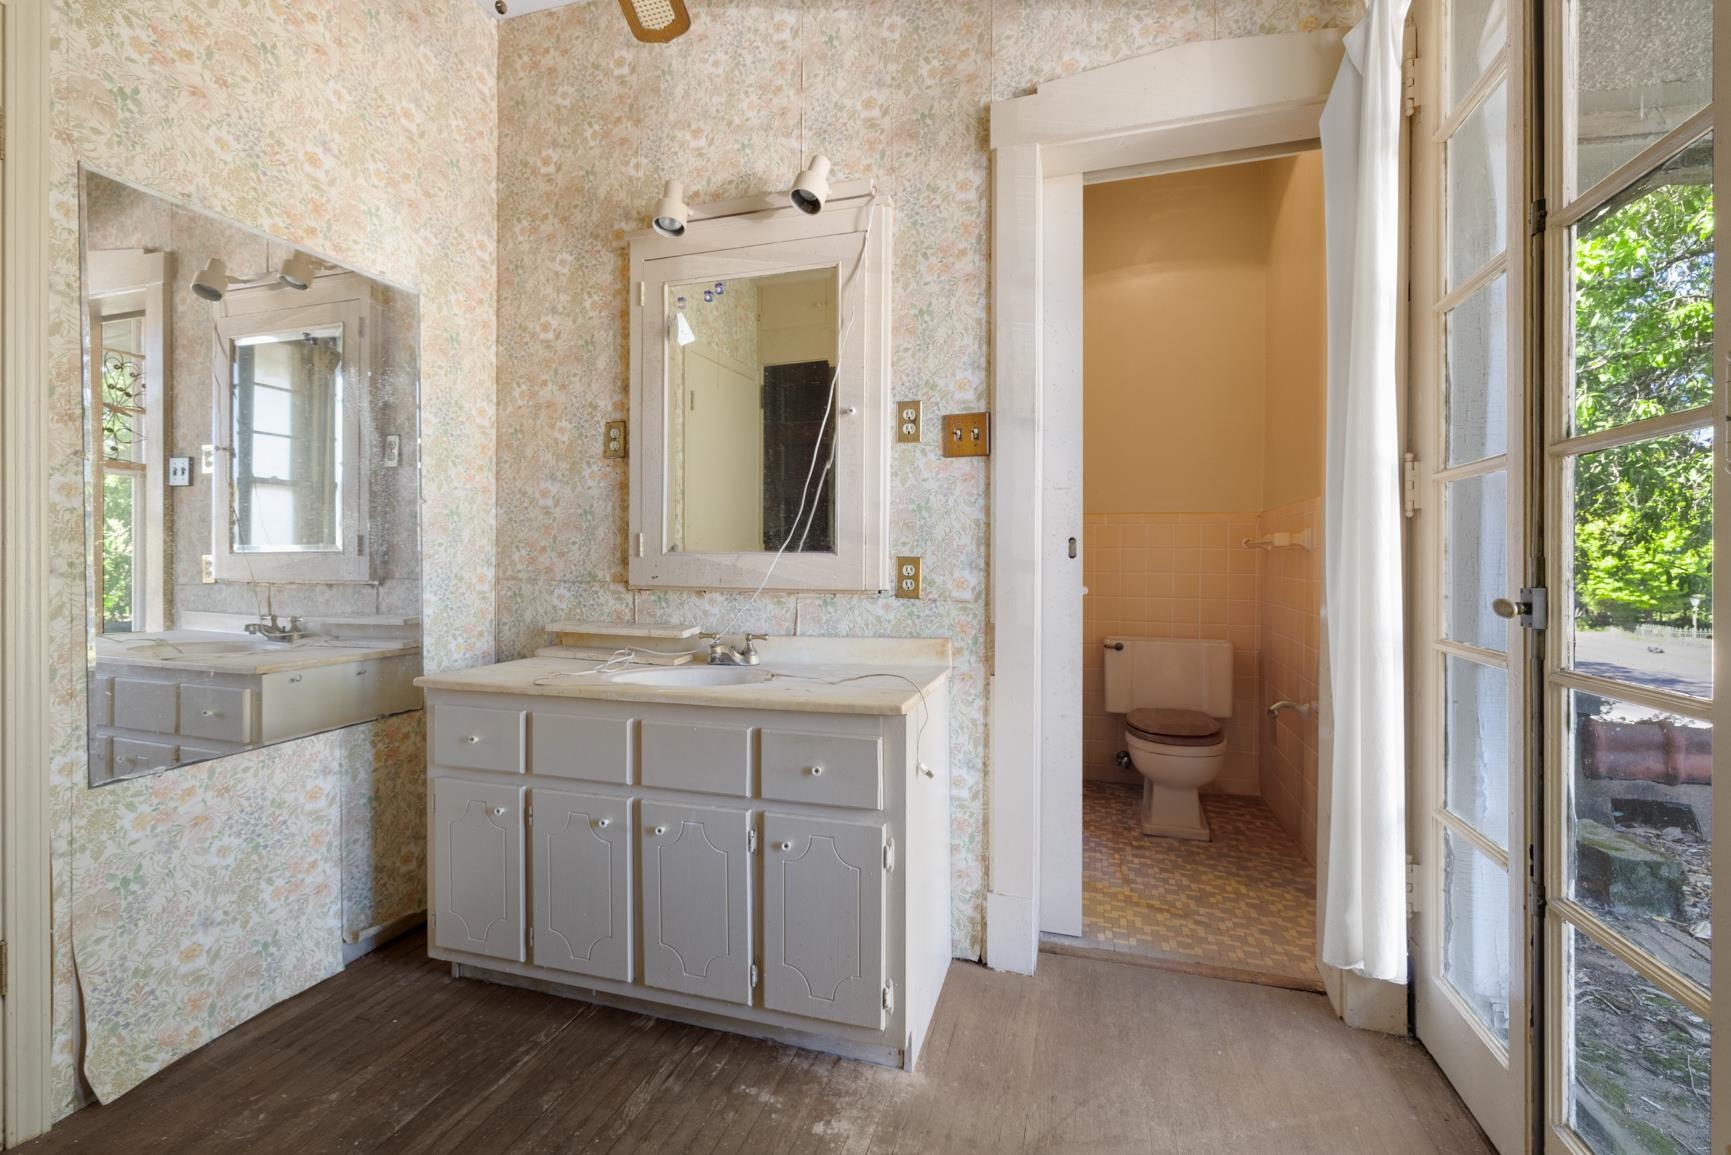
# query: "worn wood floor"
{"type": "Point", "coordinates": [393, 1055]}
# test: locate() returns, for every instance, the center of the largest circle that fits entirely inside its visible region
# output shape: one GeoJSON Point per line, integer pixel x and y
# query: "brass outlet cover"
{"type": "Point", "coordinates": [968, 435]}
{"type": "Point", "coordinates": [614, 443]}
{"type": "Point", "coordinates": [908, 429]}
{"type": "Point", "coordinates": [907, 577]}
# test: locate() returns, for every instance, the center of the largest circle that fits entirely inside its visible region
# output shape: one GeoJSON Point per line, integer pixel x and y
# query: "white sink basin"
{"type": "Point", "coordinates": [695, 676]}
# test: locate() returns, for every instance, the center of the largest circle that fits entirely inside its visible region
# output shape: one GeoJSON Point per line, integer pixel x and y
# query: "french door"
{"type": "Point", "coordinates": [1474, 659]}
{"type": "Point", "coordinates": [1568, 402]}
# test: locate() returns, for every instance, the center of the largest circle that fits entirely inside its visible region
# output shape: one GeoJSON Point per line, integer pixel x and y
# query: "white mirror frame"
{"type": "Point", "coordinates": [853, 232]}
{"type": "Point", "coordinates": [346, 299]}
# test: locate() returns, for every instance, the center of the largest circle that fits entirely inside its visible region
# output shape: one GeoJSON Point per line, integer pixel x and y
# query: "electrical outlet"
{"type": "Point", "coordinates": [908, 422]}
{"type": "Point", "coordinates": [180, 471]}
{"type": "Point", "coordinates": [207, 569]}
{"type": "Point", "coordinates": [907, 577]}
{"type": "Point", "coordinates": [393, 450]}
{"type": "Point", "coordinates": [968, 435]}
{"type": "Point", "coordinates": [207, 459]}
{"type": "Point", "coordinates": [614, 445]}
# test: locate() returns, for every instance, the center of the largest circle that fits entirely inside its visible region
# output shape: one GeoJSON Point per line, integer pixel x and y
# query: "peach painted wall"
{"type": "Point", "coordinates": [1174, 284]}
{"type": "Point", "coordinates": [1297, 335]}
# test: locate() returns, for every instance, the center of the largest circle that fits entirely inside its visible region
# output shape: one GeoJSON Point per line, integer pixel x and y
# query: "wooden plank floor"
{"type": "Point", "coordinates": [393, 1055]}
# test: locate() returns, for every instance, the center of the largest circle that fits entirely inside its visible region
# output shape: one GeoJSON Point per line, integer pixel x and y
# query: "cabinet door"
{"type": "Point", "coordinates": [696, 900]}
{"type": "Point", "coordinates": [580, 852]}
{"type": "Point", "coordinates": [823, 919]}
{"type": "Point", "coordinates": [478, 859]}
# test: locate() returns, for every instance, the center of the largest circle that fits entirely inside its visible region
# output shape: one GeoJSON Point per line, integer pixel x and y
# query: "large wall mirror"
{"type": "Point", "coordinates": [252, 434]}
{"type": "Point", "coordinates": [759, 394]}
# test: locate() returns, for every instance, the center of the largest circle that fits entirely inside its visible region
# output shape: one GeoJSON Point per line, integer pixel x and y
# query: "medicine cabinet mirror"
{"type": "Point", "coordinates": [759, 364]}
{"type": "Point", "coordinates": [253, 528]}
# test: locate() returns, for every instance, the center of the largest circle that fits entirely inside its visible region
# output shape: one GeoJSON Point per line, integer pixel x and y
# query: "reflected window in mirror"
{"type": "Point", "coordinates": [252, 427]}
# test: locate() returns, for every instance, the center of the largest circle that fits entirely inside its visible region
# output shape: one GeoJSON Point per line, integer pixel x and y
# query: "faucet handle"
{"type": "Point", "coordinates": [756, 638]}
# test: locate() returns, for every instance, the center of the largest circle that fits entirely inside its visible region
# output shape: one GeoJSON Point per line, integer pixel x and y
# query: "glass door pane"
{"type": "Point", "coordinates": [1630, 746]}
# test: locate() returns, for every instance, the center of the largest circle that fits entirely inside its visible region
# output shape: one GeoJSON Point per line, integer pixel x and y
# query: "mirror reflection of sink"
{"type": "Point", "coordinates": [695, 676]}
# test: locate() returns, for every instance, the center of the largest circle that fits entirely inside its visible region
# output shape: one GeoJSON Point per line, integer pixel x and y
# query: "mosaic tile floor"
{"type": "Point", "coordinates": [1243, 905]}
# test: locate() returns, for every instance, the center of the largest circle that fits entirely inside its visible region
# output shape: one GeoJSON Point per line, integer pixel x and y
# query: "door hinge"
{"type": "Point", "coordinates": [529, 814]}
{"type": "Point", "coordinates": [1412, 883]}
{"type": "Point", "coordinates": [639, 545]}
{"type": "Point", "coordinates": [889, 996]}
{"type": "Point", "coordinates": [642, 298]}
{"type": "Point", "coordinates": [754, 976]}
{"type": "Point", "coordinates": [1538, 217]}
{"type": "Point", "coordinates": [1409, 484]}
{"type": "Point", "coordinates": [531, 940]}
{"type": "Point", "coordinates": [5, 968]}
{"type": "Point", "coordinates": [751, 841]}
{"type": "Point", "coordinates": [1409, 84]}
{"type": "Point", "coordinates": [1532, 610]}
{"type": "Point", "coordinates": [889, 854]}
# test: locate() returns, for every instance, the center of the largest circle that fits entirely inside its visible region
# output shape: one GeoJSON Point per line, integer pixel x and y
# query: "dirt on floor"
{"type": "Point", "coordinates": [1642, 1060]}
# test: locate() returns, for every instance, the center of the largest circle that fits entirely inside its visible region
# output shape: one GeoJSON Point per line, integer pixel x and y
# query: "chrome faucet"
{"type": "Point", "coordinates": [272, 630]}
{"type": "Point", "coordinates": [722, 654]}
{"type": "Point", "coordinates": [1302, 709]}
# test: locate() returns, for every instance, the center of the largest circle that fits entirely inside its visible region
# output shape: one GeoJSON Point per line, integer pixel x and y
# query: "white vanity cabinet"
{"type": "Point", "coordinates": [779, 872]}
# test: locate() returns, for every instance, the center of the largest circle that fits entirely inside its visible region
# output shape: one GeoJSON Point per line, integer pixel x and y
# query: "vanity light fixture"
{"type": "Point", "coordinates": [298, 271]}
{"type": "Point", "coordinates": [811, 187]}
{"type": "Point", "coordinates": [212, 281]}
{"type": "Point", "coordinates": [670, 211]}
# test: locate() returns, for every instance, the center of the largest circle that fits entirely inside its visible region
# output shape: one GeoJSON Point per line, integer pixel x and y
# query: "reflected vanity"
{"type": "Point", "coordinates": [253, 530]}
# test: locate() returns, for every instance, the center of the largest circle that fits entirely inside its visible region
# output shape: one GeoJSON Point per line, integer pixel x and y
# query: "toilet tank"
{"type": "Point", "coordinates": [1169, 673]}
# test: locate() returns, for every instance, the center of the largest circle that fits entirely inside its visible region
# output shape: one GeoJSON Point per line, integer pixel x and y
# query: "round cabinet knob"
{"type": "Point", "coordinates": [602, 821]}
{"type": "Point", "coordinates": [928, 771]}
{"type": "Point", "coordinates": [471, 739]}
{"type": "Point", "coordinates": [1504, 608]}
{"type": "Point", "coordinates": [499, 811]}
{"type": "Point", "coordinates": [816, 770]}
{"type": "Point", "coordinates": [787, 846]}
{"type": "Point", "coordinates": [293, 678]}
{"type": "Point", "coordinates": [661, 830]}
{"type": "Point", "coordinates": [208, 713]}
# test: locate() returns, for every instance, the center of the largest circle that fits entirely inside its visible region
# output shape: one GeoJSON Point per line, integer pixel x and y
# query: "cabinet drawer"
{"type": "Point", "coordinates": [710, 759]}
{"type": "Point", "coordinates": [580, 746]}
{"type": "Point", "coordinates": [474, 738]}
{"type": "Point", "coordinates": [823, 769]}
{"type": "Point", "coordinates": [134, 757]}
{"type": "Point", "coordinates": [220, 712]}
{"type": "Point", "coordinates": [141, 705]}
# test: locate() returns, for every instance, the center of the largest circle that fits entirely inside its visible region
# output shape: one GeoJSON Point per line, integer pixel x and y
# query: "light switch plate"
{"type": "Point", "coordinates": [614, 443]}
{"type": "Point", "coordinates": [968, 435]}
{"type": "Point", "coordinates": [908, 430]}
{"type": "Point", "coordinates": [907, 577]}
{"type": "Point", "coordinates": [180, 471]}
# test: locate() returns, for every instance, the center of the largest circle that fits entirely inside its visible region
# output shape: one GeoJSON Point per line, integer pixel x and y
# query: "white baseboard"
{"type": "Point", "coordinates": [1012, 939]}
{"type": "Point", "coordinates": [356, 944]}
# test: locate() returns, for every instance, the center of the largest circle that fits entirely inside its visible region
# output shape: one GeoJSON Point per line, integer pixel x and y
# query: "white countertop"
{"type": "Point", "coordinates": [814, 675]}
{"type": "Point", "coordinates": [191, 650]}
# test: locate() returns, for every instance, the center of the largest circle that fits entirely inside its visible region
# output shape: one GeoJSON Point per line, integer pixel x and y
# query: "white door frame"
{"type": "Point", "coordinates": [25, 1066]}
{"type": "Point", "coordinates": [1186, 107]}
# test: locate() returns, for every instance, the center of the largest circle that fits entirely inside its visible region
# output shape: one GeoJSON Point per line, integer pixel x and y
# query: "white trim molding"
{"type": "Point", "coordinates": [24, 859]}
{"type": "Point", "coordinates": [1217, 98]}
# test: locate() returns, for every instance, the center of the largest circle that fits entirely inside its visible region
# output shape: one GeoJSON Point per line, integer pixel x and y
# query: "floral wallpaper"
{"type": "Point", "coordinates": [590, 126]}
{"type": "Point", "coordinates": [193, 899]}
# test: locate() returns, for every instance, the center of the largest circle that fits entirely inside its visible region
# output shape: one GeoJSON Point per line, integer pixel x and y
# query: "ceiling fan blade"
{"type": "Point", "coordinates": [656, 21]}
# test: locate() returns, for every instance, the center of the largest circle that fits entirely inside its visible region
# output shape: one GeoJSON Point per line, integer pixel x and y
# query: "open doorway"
{"type": "Point", "coordinates": [1203, 390]}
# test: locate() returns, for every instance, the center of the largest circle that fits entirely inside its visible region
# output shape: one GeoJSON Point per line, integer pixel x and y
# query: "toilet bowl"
{"type": "Point", "coordinates": [1174, 768]}
{"type": "Point", "coordinates": [1175, 695]}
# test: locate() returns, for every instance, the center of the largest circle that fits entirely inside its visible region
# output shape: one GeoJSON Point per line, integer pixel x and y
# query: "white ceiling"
{"type": "Point", "coordinates": [524, 7]}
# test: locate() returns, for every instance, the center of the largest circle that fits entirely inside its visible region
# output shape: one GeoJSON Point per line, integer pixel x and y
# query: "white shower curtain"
{"type": "Point", "coordinates": [1364, 924]}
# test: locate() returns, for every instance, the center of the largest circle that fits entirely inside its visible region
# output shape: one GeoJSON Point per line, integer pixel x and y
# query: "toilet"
{"type": "Point", "coordinates": [1175, 695]}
